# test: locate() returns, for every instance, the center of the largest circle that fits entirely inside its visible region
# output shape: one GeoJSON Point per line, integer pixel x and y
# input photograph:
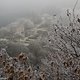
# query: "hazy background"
{"type": "Point", "coordinates": [11, 10]}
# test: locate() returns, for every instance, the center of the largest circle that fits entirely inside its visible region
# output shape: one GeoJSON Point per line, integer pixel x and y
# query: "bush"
{"type": "Point", "coordinates": [13, 48]}
{"type": "Point", "coordinates": [37, 52]}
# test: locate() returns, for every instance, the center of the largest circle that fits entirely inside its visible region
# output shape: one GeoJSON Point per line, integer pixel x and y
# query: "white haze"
{"type": "Point", "coordinates": [10, 10]}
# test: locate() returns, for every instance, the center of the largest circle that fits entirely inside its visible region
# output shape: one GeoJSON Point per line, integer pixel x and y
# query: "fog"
{"type": "Point", "coordinates": [11, 10]}
{"type": "Point", "coordinates": [39, 40]}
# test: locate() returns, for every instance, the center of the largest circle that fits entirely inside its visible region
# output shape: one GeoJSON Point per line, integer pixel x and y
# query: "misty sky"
{"type": "Point", "coordinates": [17, 4]}
{"type": "Point", "coordinates": [10, 8]}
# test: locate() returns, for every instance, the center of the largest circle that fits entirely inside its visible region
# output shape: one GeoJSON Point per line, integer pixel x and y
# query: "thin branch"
{"type": "Point", "coordinates": [75, 5]}
{"type": "Point", "coordinates": [74, 10]}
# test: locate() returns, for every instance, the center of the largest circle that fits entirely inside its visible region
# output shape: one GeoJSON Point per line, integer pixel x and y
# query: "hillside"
{"type": "Point", "coordinates": [47, 50]}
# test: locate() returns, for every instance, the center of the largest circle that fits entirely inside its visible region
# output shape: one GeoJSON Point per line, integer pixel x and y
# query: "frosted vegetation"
{"type": "Point", "coordinates": [46, 48]}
